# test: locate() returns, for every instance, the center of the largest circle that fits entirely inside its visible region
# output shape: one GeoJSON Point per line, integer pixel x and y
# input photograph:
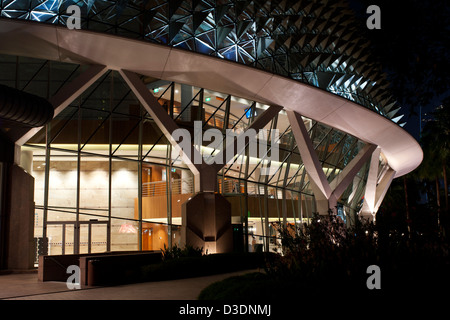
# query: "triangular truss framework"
{"type": "Point", "coordinates": [334, 152]}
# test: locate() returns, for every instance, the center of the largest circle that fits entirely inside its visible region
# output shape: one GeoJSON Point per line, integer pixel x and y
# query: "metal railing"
{"type": "Point", "coordinates": [238, 186]}
{"type": "Point", "coordinates": [158, 188]}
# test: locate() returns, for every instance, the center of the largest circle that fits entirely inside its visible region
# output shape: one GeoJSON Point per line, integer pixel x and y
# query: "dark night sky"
{"type": "Point", "coordinates": [412, 47]}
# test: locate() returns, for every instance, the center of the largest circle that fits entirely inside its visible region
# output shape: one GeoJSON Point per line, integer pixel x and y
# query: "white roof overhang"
{"type": "Point", "coordinates": [38, 40]}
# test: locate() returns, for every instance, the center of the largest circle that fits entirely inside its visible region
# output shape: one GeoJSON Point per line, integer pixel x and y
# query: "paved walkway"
{"type": "Point", "coordinates": [27, 287]}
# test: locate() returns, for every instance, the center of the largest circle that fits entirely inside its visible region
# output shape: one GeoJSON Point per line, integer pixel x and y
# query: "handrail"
{"type": "Point", "coordinates": [158, 188]}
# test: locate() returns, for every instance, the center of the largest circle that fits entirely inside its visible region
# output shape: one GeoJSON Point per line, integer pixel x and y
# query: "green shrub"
{"type": "Point", "coordinates": [328, 259]}
{"type": "Point", "coordinates": [177, 252]}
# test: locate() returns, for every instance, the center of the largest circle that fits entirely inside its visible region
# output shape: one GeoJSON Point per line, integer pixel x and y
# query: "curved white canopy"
{"type": "Point", "coordinates": [38, 40]}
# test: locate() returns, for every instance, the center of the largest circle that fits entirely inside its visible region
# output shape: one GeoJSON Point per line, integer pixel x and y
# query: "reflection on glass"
{"type": "Point", "coordinates": [108, 170]}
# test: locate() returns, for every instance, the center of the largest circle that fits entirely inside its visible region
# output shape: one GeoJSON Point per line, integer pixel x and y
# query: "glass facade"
{"type": "Point", "coordinates": [107, 179]}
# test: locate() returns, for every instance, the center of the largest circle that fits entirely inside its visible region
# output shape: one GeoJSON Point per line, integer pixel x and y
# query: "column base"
{"type": "Point", "coordinates": [206, 223]}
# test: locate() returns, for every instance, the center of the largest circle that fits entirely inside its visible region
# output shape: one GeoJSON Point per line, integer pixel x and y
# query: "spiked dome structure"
{"type": "Point", "coordinates": [313, 41]}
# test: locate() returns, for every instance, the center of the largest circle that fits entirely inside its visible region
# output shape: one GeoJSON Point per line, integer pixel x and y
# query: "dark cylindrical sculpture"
{"type": "Point", "coordinates": [24, 108]}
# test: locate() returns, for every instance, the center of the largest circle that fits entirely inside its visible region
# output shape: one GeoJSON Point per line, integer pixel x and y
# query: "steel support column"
{"type": "Point", "coordinates": [326, 194]}
{"type": "Point", "coordinates": [308, 154]}
{"type": "Point", "coordinates": [376, 193]}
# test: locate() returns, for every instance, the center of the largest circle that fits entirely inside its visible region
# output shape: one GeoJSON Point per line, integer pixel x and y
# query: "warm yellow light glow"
{"type": "Point", "coordinates": [161, 150]}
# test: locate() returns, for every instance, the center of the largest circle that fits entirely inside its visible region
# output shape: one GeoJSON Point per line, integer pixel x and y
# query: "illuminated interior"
{"type": "Point", "coordinates": [102, 163]}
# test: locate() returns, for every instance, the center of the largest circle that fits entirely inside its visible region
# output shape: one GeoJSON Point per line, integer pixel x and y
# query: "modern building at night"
{"type": "Point", "coordinates": [104, 173]}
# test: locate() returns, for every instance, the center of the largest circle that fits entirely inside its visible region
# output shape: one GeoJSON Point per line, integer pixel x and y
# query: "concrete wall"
{"type": "Point", "coordinates": [94, 189]}
{"type": "Point", "coordinates": [207, 223]}
{"type": "Point", "coordinates": [20, 225]}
